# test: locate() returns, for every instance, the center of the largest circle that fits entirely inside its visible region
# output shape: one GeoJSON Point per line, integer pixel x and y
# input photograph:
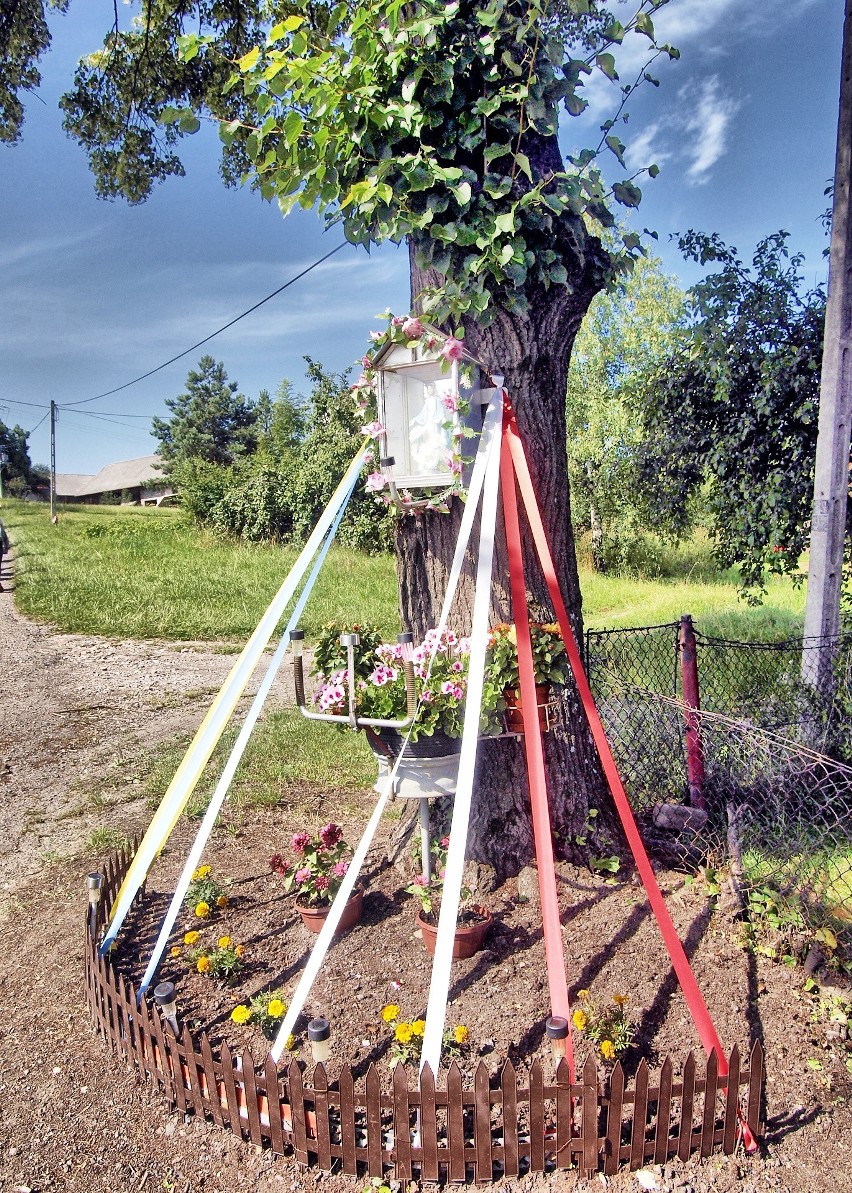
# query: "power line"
{"type": "Point", "coordinates": [112, 421]}
{"type": "Point", "coordinates": [18, 402]}
{"type": "Point", "coordinates": [151, 372]}
{"type": "Point", "coordinates": [43, 418]}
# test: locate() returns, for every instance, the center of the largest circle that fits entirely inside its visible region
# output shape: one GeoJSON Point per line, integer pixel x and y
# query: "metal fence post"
{"type": "Point", "coordinates": [691, 712]}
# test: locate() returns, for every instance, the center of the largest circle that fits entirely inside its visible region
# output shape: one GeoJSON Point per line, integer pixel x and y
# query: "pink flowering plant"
{"type": "Point", "coordinates": [318, 867]}
{"type": "Point", "coordinates": [380, 683]}
{"type": "Point", "coordinates": [450, 348]}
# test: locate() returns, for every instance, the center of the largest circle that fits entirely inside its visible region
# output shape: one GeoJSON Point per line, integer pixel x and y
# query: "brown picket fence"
{"type": "Point", "coordinates": [505, 1125]}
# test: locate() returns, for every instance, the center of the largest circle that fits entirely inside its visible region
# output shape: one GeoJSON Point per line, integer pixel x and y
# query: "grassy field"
{"type": "Point", "coordinates": [144, 573]}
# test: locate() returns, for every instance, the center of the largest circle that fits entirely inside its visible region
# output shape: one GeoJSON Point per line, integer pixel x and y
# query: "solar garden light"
{"type": "Point", "coordinates": [319, 1035]}
{"type": "Point", "coordinates": [93, 890]}
{"type": "Point", "coordinates": [556, 1029]}
{"type": "Point", "coordinates": [164, 997]}
{"type": "Point", "coordinates": [297, 644]}
{"type": "Point", "coordinates": [406, 643]}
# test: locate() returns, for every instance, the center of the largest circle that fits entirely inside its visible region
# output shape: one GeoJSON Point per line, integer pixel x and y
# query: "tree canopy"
{"type": "Point", "coordinates": [733, 410]}
{"type": "Point", "coordinates": [211, 421]}
{"type": "Point", "coordinates": [18, 472]}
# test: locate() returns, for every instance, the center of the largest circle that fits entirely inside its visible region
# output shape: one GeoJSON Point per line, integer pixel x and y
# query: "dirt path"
{"type": "Point", "coordinates": [76, 717]}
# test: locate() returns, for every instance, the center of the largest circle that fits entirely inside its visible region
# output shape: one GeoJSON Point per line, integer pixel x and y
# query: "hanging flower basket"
{"type": "Point", "coordinates": [470, 933]}
{"type": "Point", "coordinates": [436, 745]}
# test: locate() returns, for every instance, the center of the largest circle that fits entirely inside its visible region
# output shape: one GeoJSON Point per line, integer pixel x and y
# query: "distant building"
{"type": "Point", "coordinates": [133, 482]}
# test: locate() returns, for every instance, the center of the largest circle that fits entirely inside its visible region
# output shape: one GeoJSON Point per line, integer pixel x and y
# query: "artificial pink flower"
{"type": "Point", "coordinates": [412, 328]}
{"type": "Point", "coordinates": [451, 403]}
{"type": "Point", "coordinates": [375, 482]}
{"type": "Point", "coordinates": [374, 428]}
{"type": "Point", "coordinates": [453, 349]}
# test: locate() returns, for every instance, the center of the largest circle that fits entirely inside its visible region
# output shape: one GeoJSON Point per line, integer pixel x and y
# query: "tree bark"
{"type": "Point", "coordinates": [533, 352]}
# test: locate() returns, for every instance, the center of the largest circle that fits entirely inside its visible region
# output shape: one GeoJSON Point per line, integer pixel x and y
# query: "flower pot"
{"type": "Point", "coordinates": [469, 938]}
{"type": "Point", "coordinates": [429, 766]}
{"type": "Point", "coordinates": [314, 916]}
{"type": "Point", "coordinates": [514, 711]}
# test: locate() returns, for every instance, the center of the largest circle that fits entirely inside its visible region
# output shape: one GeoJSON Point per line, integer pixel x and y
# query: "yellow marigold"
{"type": "Point", "coordinates": [390, 1012]}
{"type": "Point", "coordinates": [292, 1043]}
{"type": "Point", "coordinates": [620, 1000]}
{"type": "Point", "coordinates": [224, 942]}
{"type": "Point", "coordinates": [176, 950]}
{"type": "Point", "coordinates": [418, 1027]}
{"type": "Point", "coordinates": [203, 965]}
{"type": "Point", "coordinates": [582, 994]}
{"type": "Point", "coordinates": [579, 1019]}
{"type": "Point", "coordinates": [201, 872]}
{"type": "Point", "coordinates": [403, 1033]}
{"type": "Point", "coordinates": [461, 1035]}
{"type": "Point", "coordinates": [202, 910]}
{"type": "Point", "coordinates": [191, 937]}
{"type": "Point", "coordinates": [276, 1008]}
{"type": "Point", "coordinates": [607, 1050]}
{"type": "Point", "coordinates": [239, 949]}
{"type": "Point", "coordinates": [241, 1014]}
{"type": "Point", "coordinates": [222, 901]}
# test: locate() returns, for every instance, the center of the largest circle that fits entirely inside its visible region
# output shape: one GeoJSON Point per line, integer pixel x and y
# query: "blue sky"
{"type": "Point", "coordinates": [93, 294]}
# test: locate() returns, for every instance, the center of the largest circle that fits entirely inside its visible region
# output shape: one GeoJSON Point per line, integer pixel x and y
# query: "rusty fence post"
{"type": "Point", "coordinates": [692, 712]}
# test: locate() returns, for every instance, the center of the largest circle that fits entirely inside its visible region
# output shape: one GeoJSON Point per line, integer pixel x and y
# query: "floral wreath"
{"type": "Point", "coordinates": [416, 334]}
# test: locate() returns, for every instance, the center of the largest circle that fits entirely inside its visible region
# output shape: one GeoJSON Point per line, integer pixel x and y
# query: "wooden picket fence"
{"type": "Point", "coordinates": [504, 1125]}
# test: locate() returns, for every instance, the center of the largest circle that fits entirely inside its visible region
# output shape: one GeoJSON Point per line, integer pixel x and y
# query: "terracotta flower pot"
{"type": "Point", "coordinates": [314, 916]}
{"type": "Point", "coordinates": [469, 938]}
{"type": "Point", "coordinates": [514, 710]}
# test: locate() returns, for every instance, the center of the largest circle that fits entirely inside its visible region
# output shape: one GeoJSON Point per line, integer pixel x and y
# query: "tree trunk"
{"type": "Point", "coordinates": [533, 352]}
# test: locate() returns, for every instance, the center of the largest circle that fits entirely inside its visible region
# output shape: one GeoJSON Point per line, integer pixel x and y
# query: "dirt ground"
{"type": "Point", "coordinates": [81, 714]}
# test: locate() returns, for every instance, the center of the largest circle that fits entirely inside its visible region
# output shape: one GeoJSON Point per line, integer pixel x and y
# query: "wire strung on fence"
{"type": "Point", "coordinates": [777, 786]}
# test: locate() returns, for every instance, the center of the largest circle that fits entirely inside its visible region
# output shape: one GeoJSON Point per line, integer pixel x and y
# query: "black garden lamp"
{"type": "Point", "coordinates": [319, 1036]}
{"type": "Point", "coordinates": [556, 1029]}
{"type": "Point", "coordinates": [164, 997]}
{"type": "Point", "coordinates": [93, 890]}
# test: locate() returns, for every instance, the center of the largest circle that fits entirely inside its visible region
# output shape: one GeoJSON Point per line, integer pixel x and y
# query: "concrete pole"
{"type": "Point", "coordinates": [831, 480]}
{"type": "Point", "coordinates": [53, 457]}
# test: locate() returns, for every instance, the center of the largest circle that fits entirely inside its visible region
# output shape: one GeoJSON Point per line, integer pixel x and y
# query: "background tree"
{"type": "Point", "coordinates": [438, 124]}
{"type": "Point", "coordinates": [733, 411]}
{"type": "Point", "coordinates": [211, 421]}
{"type": "Point", "coordinates": [18, 473]}
{"type": "Point", "coordinates": [623, 339]}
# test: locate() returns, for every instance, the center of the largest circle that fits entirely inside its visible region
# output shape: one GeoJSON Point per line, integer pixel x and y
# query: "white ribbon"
{"type": "Point", "coordinates": [203, 744]}
{"type": "Point", "coordinates": [230, 768]}
{"type": "Point", "coordinates": [489, 440]}
{"type": "Point", "coordinates": [436, 1009]}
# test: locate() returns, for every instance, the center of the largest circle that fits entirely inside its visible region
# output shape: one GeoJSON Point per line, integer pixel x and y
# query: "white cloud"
{"type": "Point", "coordinates": [709, 124]}
{"type": "Point", "coordinates": [646, 148]}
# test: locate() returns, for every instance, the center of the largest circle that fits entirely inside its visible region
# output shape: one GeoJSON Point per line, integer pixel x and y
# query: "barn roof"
{"type": "Point", "coordinates": [112, 478]}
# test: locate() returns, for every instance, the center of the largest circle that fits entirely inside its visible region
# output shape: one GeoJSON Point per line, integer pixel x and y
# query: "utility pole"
{"type": "Point", "coordinates": [831, 479]}
{"type": "Point", "coordinates": [4, 460]}
{"type": "Point", "coordinates": [53, 458]}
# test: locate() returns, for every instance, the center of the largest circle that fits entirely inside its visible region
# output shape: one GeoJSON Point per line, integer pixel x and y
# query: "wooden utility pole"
{"type": "Point", "coordinates": [831, 480]}
{"type": "Point", "coordinates": [53, 457]}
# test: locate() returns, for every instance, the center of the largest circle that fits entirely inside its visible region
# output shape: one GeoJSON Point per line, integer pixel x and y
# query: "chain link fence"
{"type": "Point", "coordinates": [766, 795]}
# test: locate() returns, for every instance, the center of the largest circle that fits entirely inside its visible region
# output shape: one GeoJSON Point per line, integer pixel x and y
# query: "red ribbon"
{"type": "Point", "coordinates": [692, 994]}
{"type": "Point", "coordinates": [551, 923]}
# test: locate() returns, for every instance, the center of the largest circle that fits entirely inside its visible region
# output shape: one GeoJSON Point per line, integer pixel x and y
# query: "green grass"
{"type": "Point", "coordinates": [144, 573]}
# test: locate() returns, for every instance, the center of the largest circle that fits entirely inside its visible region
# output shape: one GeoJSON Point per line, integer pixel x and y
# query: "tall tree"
{"type": "Point", "coordinates": [734, 409]}
{"type": "Point", "coordinates": [435, 123]}
{"type": "Point", "coordinates": [18, 469]}
{"type": "Point", "coordinates": [211, 421]}
{"type": "Point", "coordinates": [624, 338]}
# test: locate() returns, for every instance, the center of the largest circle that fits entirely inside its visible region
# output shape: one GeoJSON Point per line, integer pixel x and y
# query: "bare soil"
{"type": "Point", "coordinates": [81, 716]}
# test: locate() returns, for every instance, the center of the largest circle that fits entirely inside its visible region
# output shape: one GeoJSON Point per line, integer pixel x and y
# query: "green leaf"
{"type": "Point", "coordinates": [606, 63]}
{"type": "Point", "coordinates": [614, 32]}
{"type": "Point", "coordinates": [653, 171]}
{"type": "Point", "coordinates": [188, 46]}
{"type": "Point", "coordinates": [505, 223]}
{"type": "Point", "coordinates": [249, 60]}
{"type": "Point", "coordinates": [523, 163]}
{"type": "Point", "coordinates": [507, 60]}
{"type": "Point", "coordinates": [645, 25]}
{"type": "Point", "coordinates": [279, 32]}
{"type": "Point", "coordinates": [189, 123]}
{"type": "Point", "coordinates": [617, 147]}
{"type": "Point", "coordinates": [463, 193]}
{"type": "Point", "coordinates": [627, 193]}
{"type": "Point", "coordinates": [815, 1064]}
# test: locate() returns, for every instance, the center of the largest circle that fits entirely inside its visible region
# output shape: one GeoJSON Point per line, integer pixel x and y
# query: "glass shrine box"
{"type": "Point", "coordinates": [418, 400]}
